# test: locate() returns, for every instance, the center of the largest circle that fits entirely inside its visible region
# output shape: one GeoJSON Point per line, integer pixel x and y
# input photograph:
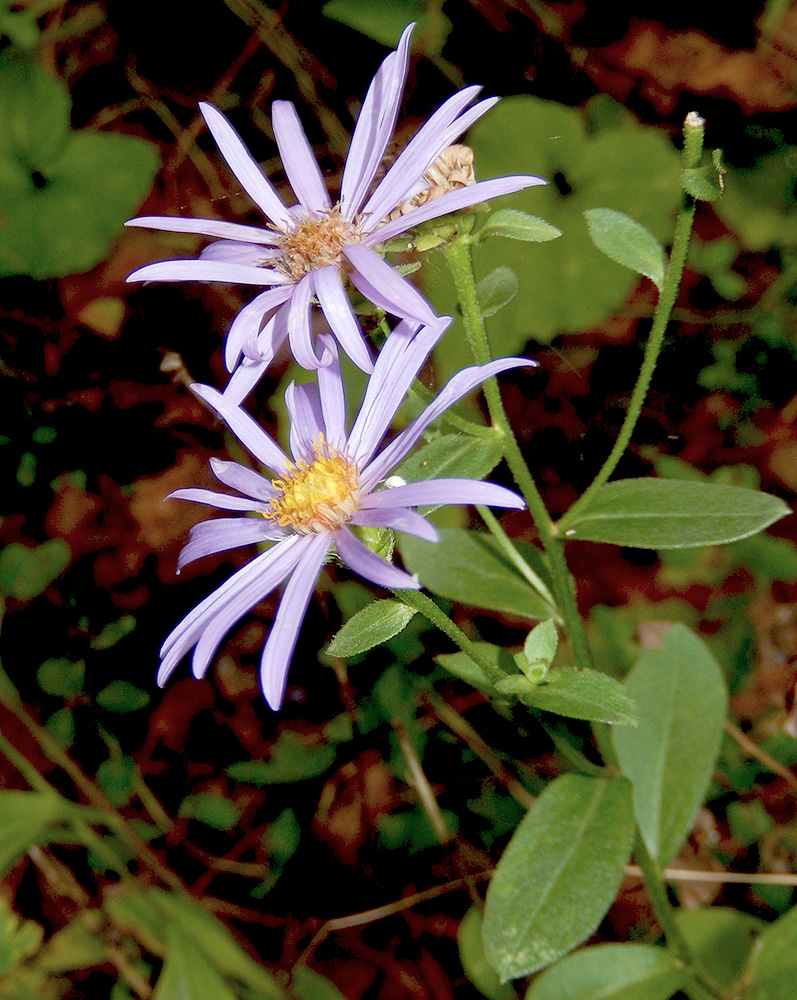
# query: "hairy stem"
{"type": "Point", "coordinates": [693, 149]}
{"type": "Point", "coordinates": [458, 255]}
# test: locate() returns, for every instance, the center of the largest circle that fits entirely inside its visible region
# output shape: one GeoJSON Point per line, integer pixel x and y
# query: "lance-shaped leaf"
{"type": "Point", "coordinates": [626, 241]}
{"type": "Point", "coordinates": [516, 225]}
{"type": "Point", "coordinates": [496, 289]}
{"type": "Point", "coordinates": [576, 694]}
{"type": "Point", "coordinates": [28, 818]}
{"type": "Point", "coordinates": [611, 972]}
{"type": "Point", "coordinates": [680, 696]}
{"type": "Point", "coordinates": [674, 514]}
{"type": "Point", "coordinates": [458, 456]}
{"type": "Point", "coordinates": [375, 624]}
{"type": "Point", "coordinates": [559, 874]}
{"type": "Point", "coordinates": [469, 566]}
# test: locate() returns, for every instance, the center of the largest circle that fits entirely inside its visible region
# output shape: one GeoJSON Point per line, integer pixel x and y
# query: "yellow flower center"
{"type": "Point", "coordinates": [316, 243]}
{"type": "Point", "coordinates": [316, 496]}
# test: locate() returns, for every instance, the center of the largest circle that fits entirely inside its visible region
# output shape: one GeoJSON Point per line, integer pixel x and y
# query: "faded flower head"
{"type": "Point", "coordinates": [308, 251]}
{"type": "Point", "coordinates": [333, 484]}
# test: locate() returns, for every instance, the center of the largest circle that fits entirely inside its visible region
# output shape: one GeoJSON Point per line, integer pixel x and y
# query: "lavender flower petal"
{"type": "Point", "coordinates": [298, 159]}
{"type": "Point", "coordinates": [398, 364]}
{"type": "Point", "coordinates": [374, 127]}
{"type": "Point", "coordinates": [232, 252]}
{"type": "Point", "coordinates": [365, 562]}
{"type": "Point", "coordinates": [385, 287]}
{"type": "Point", "coordinates": [269, 569]}
{"type": "Point", "coordinates": [284, 632]}
{"type": "Point", "coordinates": [244, 379]}
{"type": "Point", "coordinates": [243, 334]}
{"type": "Point", "coordinates": [245, 168]}
{"type": "Point", "coordinates": [454, 201]}
{"type": "Point", "coordinates": [299, 335]}
{"type": "Point", "coordinates": [247, 481]}
{"type": "Point", "coordinates": [339, 314]}
{"type": "Point", "coordinates": [420, 153]}
{"type": "Point", "coordinates": [331, 391]}
{"type": "Point", "coordinates": [237, 605]}
{"type": "Point", "coordinates": [250, 433]}
{"type": "Point", "coordinates": [444, 491]}
{"type": "Point", "coordinates": [221, 500]}
{"type": "Point", "coordinates": [206, 227]}
{"type": "Point", "coordinates": [223, 533]}
{"type": "Point", "coordinates": [457, 387]}
{"type": "Point", "coordinates": [307, 421]}
{"type": "Point", "coordinates": [208, 270]}
{"type": "Point", "coordinates": [399, 519]}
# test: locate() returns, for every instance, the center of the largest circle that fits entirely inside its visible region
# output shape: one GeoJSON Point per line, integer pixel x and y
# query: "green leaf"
{"type": "Point", "coordinates": [122, 696]}
{"type": "Point", "coordinates": [539, 649]}
{"type": "Point", "coordinates": [559, 873]}
{"type": "Point", "coordinates": [114, 632]}
{"type": "Point", "coordinates": [462, 666]}
{"type": "Point", "coordinates": [96, 183]}
{"type": "Point", "coordinates": [679, 691]}
{"type": "Point", "coordinates": [720, 940]}
{"type": "Point", "coordinates": [217, 943]}
{"type": "Point", "coordinates": [61, 726]}
{"type": "Point", "coordinates": [19, 939]}
{"type": "Point", "coordinates": [468, 566]}
{"type": "Point", "coordinates": [624, 240]}
{"type": "Point", "coordinates": [63, 195]}
{"type": "Point", "coordinates": [34, 110]}
{"type": "Point", "coordinates": [515, 225]}
{"type": "Point", "coordinates": [496, 290]}
{"type": "Point", "coordinates": [133, 910]}
{"type": "Point", "coordinates": [772, 969]}
{"type": "Point", "coordinates": [293, 758]}
{"type": "Point", "coordinates": [611, 972]}
{"type": "Point", "coordinates": [674, 514]}
{"type": "Point", "coordinates": [26, 572]}
{"type": "Point", "coordinates": [309, 985]}
{"type": "Point", "coordinates": [706, 182]}
{"type": "Point", "coordinates": [20, 27]}
{"type": "Point", "coordinates": [582, 694]}
{"type": "Point", "coordinates": [212, 810]}
{"type": "Point", "coordinates": [474, 961]}
{"type": "Point", "coordinates": [72, 947]}
{"type": "Point", "coordinates": [381, 20]}
{"type": "Point", "coordinates": [460, 456]}
{"type": "Point", "coordinates": [187, 974]}
{"type": "Point", "coordinates": [29, 818]}
{"type": "Point", "coordinates": [61, 678]}
{"type": "Point", "coordinates": [116, 776]}
{"type": "Point", "coordinates": [370, 627]}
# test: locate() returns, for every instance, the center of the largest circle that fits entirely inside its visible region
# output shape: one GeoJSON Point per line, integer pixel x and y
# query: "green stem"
{"type": "Point", "coordinates": [458, 255]}
{"type": "Point", "coordinates": [449, 417]}
{"type": "Point", "coordinates": [517, 560]}
{"type": "Point", "coordinates": [418, 601]}
{"type": "Point", "coordinates": [702, 985]}
{"type": "Point", "coordinates": [692, 152]}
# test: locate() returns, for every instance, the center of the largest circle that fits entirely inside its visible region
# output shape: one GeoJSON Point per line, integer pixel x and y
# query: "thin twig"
{"type": "Point", "coordinates": [465, 731]}
{"type": "Point", "coordinates": [732, 878]}
{"type": "Point", "coordinates": [755, 751]}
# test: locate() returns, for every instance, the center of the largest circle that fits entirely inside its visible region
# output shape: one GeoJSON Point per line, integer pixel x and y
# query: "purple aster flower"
{"type": "Point", "coordinates": [308, 249]}
{"type": "Point", "coordinates": [319, 497]}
